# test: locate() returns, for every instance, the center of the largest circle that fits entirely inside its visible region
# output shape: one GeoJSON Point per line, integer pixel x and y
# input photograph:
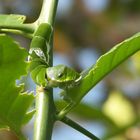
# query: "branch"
{"type": "Point", "coordinates": [48, 11]}
{"type": "Point", "coordinates": [16, 32]}
{"type": "Point", "coordinates": [27, 28]}
{"type": "Point", "coordinates": [79, 128]}
{"type": "Point", "coordinates": [45, 115]}
{"type": "Point", "coordinates": [45, 111]}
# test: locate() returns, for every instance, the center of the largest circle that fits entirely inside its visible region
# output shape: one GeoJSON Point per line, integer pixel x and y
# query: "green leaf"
{"type": "Point", "coordinates": [28, 116]}
{"type": "Point", "coordinates": [104, 65]}
{"type": "Point", "coordinates": [13, 104]}
{"type": "Point", "coordinates": [11, 19]}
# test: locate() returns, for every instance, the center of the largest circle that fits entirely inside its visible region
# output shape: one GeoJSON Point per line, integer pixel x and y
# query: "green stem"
{"type": "Point", "coordinates": [79, 128]}
{"type": "Point", "coordinates": [45, 112]}
{"type": "Point", "coordinates": [27, 28]}
{"type": "Point", "coordinates": [48, 11]}
{"type": "Point", "coordinates": [65, 110]}
{"type": "Point", "coordinates": [45, 109]}
{"type": "Point", "coordinates": [16, 32]}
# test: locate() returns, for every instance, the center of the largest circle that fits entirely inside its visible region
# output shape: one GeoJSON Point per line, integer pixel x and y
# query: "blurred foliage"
{"type": "Point", "coordinates": [7, 135]}
{"type": "Point", "coordinates": [80, 28]}
{"type": "Point", "coordinates": [116, 105]}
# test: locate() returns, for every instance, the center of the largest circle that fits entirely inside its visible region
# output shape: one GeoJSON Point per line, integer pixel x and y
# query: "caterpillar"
{"type": "Point", "coordinates": [39, 53]}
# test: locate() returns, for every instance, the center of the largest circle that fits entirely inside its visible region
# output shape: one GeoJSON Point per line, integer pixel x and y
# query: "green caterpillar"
{"type": "Point", "coordinates": [39, 53]}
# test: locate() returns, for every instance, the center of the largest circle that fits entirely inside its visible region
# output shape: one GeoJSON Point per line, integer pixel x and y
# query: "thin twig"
{"type": "Point", "coordinates": [79, 128]}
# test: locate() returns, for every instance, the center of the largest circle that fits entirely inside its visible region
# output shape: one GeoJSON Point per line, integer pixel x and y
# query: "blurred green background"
{"type": "Point", "coordinates": [84, 30]}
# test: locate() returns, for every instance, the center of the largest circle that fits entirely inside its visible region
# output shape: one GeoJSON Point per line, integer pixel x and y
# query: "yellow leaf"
{"type": "Point", "coordinates": [119, 109]}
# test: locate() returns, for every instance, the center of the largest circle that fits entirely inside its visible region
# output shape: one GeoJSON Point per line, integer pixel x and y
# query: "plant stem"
{"type": "Point", "coordinates": [79, 128]}
{"type": "Point", "coordinates": [64, 111]}
{"type": "Point", "coordinates": [48, 11]}
{"type": "Point", "coordinates": [45, 111]}
{"type": "Point", "coordinates": [27, 28]}
{"type": "Point", "coordinates": [45, 108]}
{"type": "Point", "coordinates": [16, 32]}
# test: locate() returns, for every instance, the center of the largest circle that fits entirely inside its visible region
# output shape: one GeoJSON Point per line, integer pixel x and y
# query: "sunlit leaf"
{"type": "Point", "coordinates": [104, 65]}
{"type": "Point", "coordinates": [135, 62]}
{"type": "Point", "coordinates": [11, 19]}
{"type": "Point", "coordinates": [13, 104]}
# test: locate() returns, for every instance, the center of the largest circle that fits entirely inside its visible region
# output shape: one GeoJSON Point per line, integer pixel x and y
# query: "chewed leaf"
{"type": "Point", "coordinates": [104, 65]}
{"type": "Point", "coordinates": [13, 104]}
{"type": "Point", "coordinates": [11, 19]}
{"type": "Point", "coordinates": [28, 116]}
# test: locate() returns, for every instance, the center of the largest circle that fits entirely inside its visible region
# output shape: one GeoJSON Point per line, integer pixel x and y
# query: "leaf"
{"type": "Point", "coordinates": [117, 104]}
{"type": "Point", "coordinates": [13, 103]}
{"type": "Point", "coordinates": [11, 19]}
{"type": "Point", "coordinates": [104, 65]}
{"type": "Point", "coordinates": [28, 116]}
